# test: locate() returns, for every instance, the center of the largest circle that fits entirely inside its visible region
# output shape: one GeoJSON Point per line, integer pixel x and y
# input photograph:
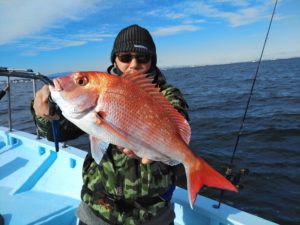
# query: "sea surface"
{"type": "Point", "coordinates": [217, 95]}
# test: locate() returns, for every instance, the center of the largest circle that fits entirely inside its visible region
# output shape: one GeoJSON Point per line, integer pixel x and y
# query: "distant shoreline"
{"type": "Point", "coordinates": [4, 79]}
{"type": "Point", "coordinates": [227, 63]}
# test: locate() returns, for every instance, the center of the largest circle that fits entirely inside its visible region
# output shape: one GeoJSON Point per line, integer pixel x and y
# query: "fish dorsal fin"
{"type": "Point", "coordinates": [145, 83]}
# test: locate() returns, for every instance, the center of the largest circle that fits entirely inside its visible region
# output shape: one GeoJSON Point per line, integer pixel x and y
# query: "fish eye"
{"type": "Point", "coordinates": [82, 81]}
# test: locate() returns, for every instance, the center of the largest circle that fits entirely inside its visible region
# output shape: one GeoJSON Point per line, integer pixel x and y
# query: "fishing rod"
{"type": "Point", "coordinates": [235, 179]}
{"type": "Point", "coordinates": [29, 74]}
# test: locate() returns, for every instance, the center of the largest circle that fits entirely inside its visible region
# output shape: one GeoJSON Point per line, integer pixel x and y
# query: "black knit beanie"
{"type": "Point", "coordinates": [134, 39]}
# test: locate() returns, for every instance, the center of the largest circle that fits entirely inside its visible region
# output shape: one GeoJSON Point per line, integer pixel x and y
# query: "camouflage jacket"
{"type": "Point", "coordinates": [120, 177]}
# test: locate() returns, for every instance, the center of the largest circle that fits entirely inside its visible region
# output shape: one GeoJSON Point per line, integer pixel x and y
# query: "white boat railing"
{"type": "Point", "coordinates": [19, 73]}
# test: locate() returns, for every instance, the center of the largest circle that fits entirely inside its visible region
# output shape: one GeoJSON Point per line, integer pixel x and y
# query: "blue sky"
{"type": "Point", "coordinates": [52, 36]}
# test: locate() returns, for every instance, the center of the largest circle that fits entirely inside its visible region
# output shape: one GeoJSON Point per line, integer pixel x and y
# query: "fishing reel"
{"type": "Point", "coordinates": [236, 178]}
{"type": "Point", "coordinates": [54, 110]}
{"type": "Point", "coordinates": [53, 107]}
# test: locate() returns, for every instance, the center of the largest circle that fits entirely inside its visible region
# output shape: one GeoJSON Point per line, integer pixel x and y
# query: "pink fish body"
{"type": "Point", "coordinates": [129, 111]}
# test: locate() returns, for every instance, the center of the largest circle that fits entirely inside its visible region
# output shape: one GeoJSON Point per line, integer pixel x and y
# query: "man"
{"type": "Point", "coordinates": [122, 188]}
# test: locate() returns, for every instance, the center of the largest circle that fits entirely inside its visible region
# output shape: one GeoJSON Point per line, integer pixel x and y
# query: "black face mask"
{"type": "Point", "coordinates": [117, 71]}
{"type": "Point", "coordinates": [114, 70]}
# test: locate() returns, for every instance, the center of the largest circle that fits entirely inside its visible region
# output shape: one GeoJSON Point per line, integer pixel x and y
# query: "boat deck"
{"type": "Point", "coordinates": [37, 207]}
{"type": "Point", "coordinates": [40, 186]}
{"type": "Point", "coordinates": [33, 189]}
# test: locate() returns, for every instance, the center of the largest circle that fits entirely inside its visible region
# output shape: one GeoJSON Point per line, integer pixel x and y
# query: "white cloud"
{"type": "Point", "coordinates": [91, 37]}
{"type": "Point", "coordinates": [35, 26]}
{"type": "Point", "coordinates": [242, 3]}
{"type": "Point", "coordinates": [234, 12]}
{"type": "Point", "coordinates": [244, 16]}
{"type": "Point", "coordinates": [174, 29]}
{"type": "Point", "coordinates": [166, 13]}
{"type": "Point", "coordinates": [19, 18]}
{"type": "Point", "coordinates": [35, 44]}
{"type": "Point", "coordinates": [42, 44]}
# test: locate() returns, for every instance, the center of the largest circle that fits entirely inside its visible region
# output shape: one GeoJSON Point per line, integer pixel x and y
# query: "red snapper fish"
{"type": "Point", "coordinates": [129, 111]}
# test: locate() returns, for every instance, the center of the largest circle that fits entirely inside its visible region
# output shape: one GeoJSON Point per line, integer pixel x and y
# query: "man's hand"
{"type": "Point", "coordinates": [40, 104]}
{"type": "Point", "coordinates": [131, 154]}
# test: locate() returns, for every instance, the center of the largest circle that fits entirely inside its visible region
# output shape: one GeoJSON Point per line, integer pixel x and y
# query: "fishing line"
{"type": "Point", "coordinates": [229, 168]}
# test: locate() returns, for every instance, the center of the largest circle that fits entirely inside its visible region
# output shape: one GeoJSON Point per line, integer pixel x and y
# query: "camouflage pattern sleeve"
{"type": "Point", "coordinates": [173, 95]}
{"type": "Point", "coordinates": [67, 130]}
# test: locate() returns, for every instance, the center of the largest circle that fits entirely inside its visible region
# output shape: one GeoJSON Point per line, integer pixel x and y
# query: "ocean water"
{"type": "Point", "coordinates": [217, 95]}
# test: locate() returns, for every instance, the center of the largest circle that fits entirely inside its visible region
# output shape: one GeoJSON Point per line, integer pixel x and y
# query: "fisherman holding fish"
{"type": "Point", "coordinates": [122, 188]}
{"type": "Point", "coordinates": [138, 131]}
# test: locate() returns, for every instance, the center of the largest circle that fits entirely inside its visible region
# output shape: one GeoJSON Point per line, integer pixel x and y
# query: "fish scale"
{"type": "Point", "coordinates": [134, 123]}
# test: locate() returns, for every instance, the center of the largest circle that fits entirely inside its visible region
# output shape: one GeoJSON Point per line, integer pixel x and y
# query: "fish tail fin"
{"type": "Point", "coordinates": [200, 173]}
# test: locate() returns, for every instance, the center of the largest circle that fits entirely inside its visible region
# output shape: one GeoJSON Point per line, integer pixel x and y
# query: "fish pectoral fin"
{"type": "Point", "coordinates": [171, 162]}
{"type": "Point", "coordinates": [111, 128]}
{"type": "Point", "coordinates": [98, 148]}
{"type": "Point", "coordinates": [99, 117]}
